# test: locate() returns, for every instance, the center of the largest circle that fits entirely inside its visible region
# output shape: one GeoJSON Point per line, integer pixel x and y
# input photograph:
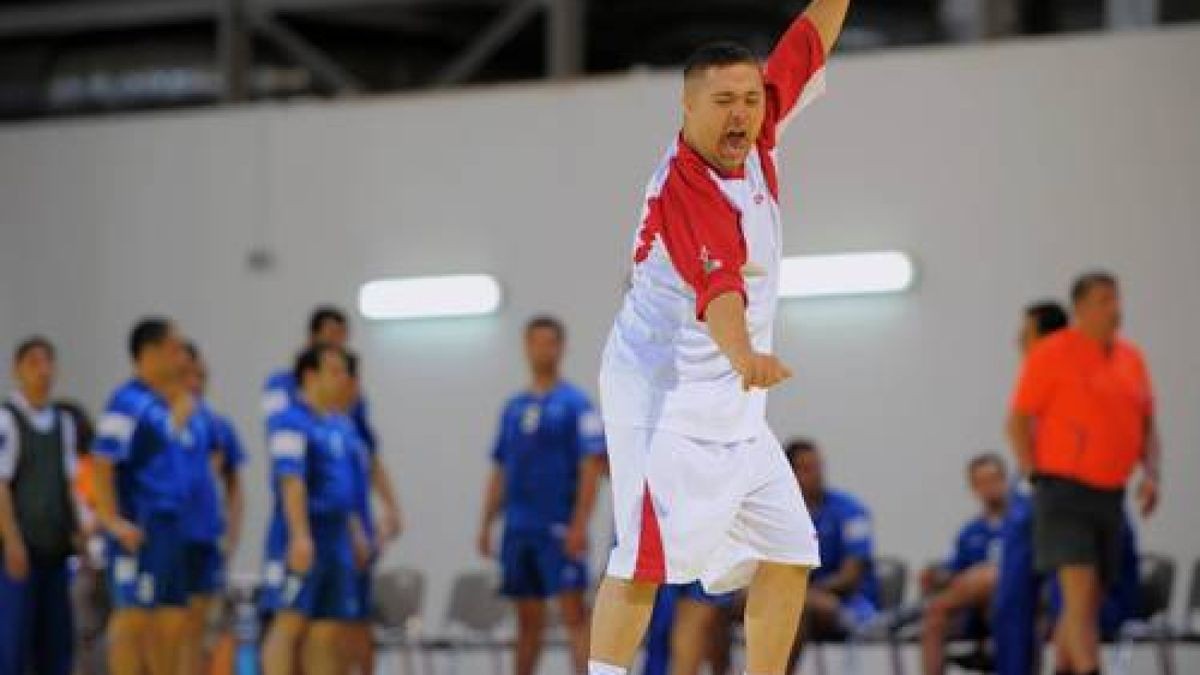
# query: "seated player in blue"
{"type": "Point", "coordinates": [310, 584]}
{"type": "Point", "coordinates": [141, 487]}
{"type": "Point", "coordinates": [212, 519]}
{"type": "Point", "coordinates": [689, 628]}
{"type": "Point", "coordinates": [547, 463]}
{"type": "Point", "coordinates": [1019, 586]}
{"type": "Point", "coordinates": [843, 591]}
{"type": "Point", "coordinates": [960, 590]}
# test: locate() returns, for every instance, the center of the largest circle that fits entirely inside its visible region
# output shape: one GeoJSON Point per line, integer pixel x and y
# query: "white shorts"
{"type": "Point", "coordinates": [688, 509]}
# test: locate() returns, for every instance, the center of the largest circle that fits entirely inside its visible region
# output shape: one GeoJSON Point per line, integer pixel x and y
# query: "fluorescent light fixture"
{"type": "Point", "coordinates": [429, 297]}
{"type": "Point", "coordinates": [815, 276]}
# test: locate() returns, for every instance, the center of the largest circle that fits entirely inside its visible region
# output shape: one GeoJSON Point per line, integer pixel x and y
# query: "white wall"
{"type": "Point", "coordinates": [1004, 170]}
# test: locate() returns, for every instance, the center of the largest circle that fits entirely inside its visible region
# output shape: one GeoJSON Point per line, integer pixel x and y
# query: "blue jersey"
{"type": "Point", "coordinates": [318, 450]}
{"type": "Point", "coordinates": [136, 435]}
{"type": "Point", "coordinates": [204, 520]}
{"type": "Point", "coordinates": [362, 456]}
{"type": "Point", "coordinates": [281, 389]}
{"type": "Point", "coordinates": [844, 531]}
{"type": "Point", "coordinates": [542, 440]}
{"type": "Point", "coordinates": [977, 542]}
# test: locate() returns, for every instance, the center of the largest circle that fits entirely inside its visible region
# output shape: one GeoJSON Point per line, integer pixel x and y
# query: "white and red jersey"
{"type": "Point", "coordinates": [705, 232]}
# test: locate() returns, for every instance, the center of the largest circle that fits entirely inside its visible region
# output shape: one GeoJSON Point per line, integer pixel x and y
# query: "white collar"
{"type": "Point", "coordinates": [18, 399]}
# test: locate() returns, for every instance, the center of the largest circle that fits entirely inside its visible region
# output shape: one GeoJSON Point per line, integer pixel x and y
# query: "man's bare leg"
{"type": "Point", "coordinates": [821, 610]}
{"type": "Point", "coordinates": [531, 622]}
{"type": "Point", "coordinates": [193, 644]}
{"type": "Point", "coordinates": [168, 629]}
{"type": "Point", "coordinates": [575, 616]}
{"type": "Point", "coordinates": [970, 590]}
{"type": "Point", "coordinates": [777, 597]}
{"type": "Point", "coordinates": [692, 636]}
{"type": "Point", "coordinates": [127, 642]}
{"type": "Point", "coordinates": [619, 621]}
{"type": "Point", "coordinates": [282, 643]}
{"type": "Point", "coordinates": [360, 647]}
{"type": "Point", "coordinates": [323, 651]}
{"type": "Point", "coordinates": [1080, 619]}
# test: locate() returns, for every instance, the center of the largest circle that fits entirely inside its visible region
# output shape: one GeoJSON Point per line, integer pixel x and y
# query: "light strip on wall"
{"type": "Point", "coordinates": [429, 297]}
{"type": "Point", "coordinates": [815, 276]}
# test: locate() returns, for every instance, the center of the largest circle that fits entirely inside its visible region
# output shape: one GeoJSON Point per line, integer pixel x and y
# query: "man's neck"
{"type": "Point", "coordinates": [544, 382]}
{"type": "Point", "coordinates": [1105, 337]}
{"type": "Point", "coordinates": [148, 378]}
{"type": "Point", "coordinates": [36, 400]}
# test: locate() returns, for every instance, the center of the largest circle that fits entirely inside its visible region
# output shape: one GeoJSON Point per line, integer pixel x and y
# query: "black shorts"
{"type": "Point", "coordinates": [1075, 524]}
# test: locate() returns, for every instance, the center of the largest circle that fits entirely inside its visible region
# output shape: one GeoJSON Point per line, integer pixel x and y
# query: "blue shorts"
{"type": "Point", "coordinates": [534, 565]}
{"type": "Point", "coordinates": [155, 576]}
{"type": "Point", "coordinates": [205, 568]}
{"type": "Point", "coordinates": [331, 590]}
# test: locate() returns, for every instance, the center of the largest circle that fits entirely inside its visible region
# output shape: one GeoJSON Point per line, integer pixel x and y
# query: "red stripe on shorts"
{"type": "Point", "coordinates": [651, 561]}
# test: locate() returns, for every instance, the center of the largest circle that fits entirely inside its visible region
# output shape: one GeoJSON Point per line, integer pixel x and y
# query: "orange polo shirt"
{"type": "Point", "coordinates": [1090, 406]}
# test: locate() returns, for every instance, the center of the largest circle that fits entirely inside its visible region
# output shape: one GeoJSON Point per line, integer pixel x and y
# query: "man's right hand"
{"type": "Point", "coordinates": [16, 560]}
{"type": "Point", "coordinates": [300, 555]}
{"type": "Point", "coordinates": [484, 543]}
{"type": "Point", "coordinates": [760, 371]}
{"type": "Point", "coordinates": [127, 535]}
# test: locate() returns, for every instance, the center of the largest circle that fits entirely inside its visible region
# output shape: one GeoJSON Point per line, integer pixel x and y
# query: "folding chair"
{"type": "Point", "coordinates": [474, 614]}
{"type": "Point", "coordinates": [893, 586]}
{"type": "Point", "coordinates": [398, 598]}
{"type": "Point", "coordinates": [1151, 625]}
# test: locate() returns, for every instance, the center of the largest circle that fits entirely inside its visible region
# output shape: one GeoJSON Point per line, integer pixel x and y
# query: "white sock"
{"type": "Point", "coordinates": [597, 668]}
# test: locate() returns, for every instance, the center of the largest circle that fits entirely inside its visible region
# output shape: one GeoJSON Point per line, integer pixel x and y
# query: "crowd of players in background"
{"type": "Point", "coordinates": [147, 512]}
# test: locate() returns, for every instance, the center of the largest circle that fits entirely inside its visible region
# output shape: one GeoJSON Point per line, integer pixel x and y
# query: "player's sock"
{"type": "Point", "coordinates": [597, 668]}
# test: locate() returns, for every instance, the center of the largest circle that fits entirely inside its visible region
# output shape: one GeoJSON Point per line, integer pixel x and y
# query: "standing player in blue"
{"type": "Point", "coordinates": [844, 591]}
{"type": "Point", "coordinates": [967, 580]}
{"type": "Point", "coordinates": [211, 524]}
{"type": "Point", "coordinates": [310, 581]}
{"type": "Point", "coordinates": [547, 465]}
{"type": "Point", "coordinates": [141, 487]}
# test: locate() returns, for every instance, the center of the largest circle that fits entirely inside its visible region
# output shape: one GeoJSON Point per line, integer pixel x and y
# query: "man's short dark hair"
{"type": "Point", "coordinates": [985, 458]}
{"type": "Point", "coordinates": [29, 344]}
{"type": "Point", "coordinates": [323, 315]}
{"type": "Point", "coordinates": [1048, 316]}
{"type": "Point", "coordinates": [717, 55]}
{"type": "Point", "coordinates": [798, 446]}
{"type": "Point", "coordinates": [148, 332]}
{"type": "Point", "coordinates": [1086, 282]}
{"type": "Point", "coordinates": [549, 323]}
{"type": "Point", "coordinates": [309, 360]}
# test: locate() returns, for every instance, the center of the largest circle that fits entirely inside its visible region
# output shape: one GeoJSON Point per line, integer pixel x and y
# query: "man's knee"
{"type": "Point", "coordinates": [127, 625]}
{"type": "Point", "coordinates": [288, 626]}
{"type": "Point", "coordinates": [573, 610]}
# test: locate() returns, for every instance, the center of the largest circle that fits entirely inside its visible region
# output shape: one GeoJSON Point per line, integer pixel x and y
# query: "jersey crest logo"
{"type": "Point", "coordinates": [758, 198]}
{"type": "Point", "coordinates": [709, 263]}
{"type": "Point", "coordinates": [531, 418]}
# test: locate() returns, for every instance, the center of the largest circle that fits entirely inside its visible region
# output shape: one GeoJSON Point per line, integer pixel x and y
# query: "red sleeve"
{"type": "Point", "coordinates": [701, 231]}
{"type": "Point", "coordinates": [792, 76]}
{"type": "Point", "coordinates": [1036, 383]}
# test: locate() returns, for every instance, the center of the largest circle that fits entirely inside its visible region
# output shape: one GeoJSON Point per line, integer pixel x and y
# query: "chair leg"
{"type": "Point", "coordinates": [819, 658]}
{"type": "Point", "coordinates": [1166, 654]}
{"type": "Point", "coordinates": [896, 656]}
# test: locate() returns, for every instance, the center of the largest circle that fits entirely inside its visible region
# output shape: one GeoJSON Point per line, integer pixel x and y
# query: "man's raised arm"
{"type": "Point", "coordinates": [828, 17]}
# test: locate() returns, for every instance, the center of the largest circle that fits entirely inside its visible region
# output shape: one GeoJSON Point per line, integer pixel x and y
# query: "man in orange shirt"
{"type": "Point", "coordinates": [1082, 419]}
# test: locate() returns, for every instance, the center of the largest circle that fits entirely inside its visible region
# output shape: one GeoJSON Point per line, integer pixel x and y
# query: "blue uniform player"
{"type": "Point", "coordinates": [212, 519]}
{"type": "Point", "coordinates": [141, 489]}
{"type": "Point", "coordinates": [844, 590]}
{"type": "Point", "coordinates": [546, 464]}
{"type": "Point", "coordinates": [328, 325]}
{"type": "Point", "coordinates": [960, 591]}
{"type": "Point", "coordinates": [311, 585]}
